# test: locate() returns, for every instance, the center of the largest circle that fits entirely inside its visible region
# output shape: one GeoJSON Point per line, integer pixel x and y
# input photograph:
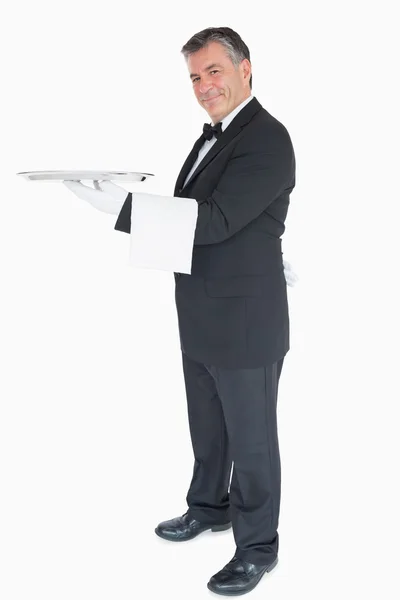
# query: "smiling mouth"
{"type": "Point", "coordinates": [211, 99]}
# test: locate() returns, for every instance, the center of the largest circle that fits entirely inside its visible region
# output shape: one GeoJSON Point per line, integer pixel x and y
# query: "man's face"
{"type": "Point", "coordinates": [218, 86]}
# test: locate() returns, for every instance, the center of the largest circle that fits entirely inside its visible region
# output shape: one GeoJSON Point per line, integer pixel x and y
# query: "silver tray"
{"type": "Point", "coordinates": [83, 175]}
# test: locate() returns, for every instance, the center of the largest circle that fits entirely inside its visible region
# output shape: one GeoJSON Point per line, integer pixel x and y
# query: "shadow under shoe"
{"type": "Point", "coordinates": [181, 529]}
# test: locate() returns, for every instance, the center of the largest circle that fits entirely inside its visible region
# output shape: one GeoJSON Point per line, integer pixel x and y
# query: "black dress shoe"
{"type": "Point", "coordinates": [238, 577]}
{"type": "Point", "coordinates": [183, 528]}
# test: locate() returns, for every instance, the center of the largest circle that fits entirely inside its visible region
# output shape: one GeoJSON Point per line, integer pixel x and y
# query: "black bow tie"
{"type": "Point", "coordinates": [209, 130]}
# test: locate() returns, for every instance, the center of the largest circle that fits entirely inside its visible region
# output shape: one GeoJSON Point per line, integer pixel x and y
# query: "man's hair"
{"type": "Point", "coordinates": [235, 47]}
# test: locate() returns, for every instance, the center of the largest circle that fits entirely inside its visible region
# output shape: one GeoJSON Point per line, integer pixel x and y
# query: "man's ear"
{"type": "Point", "coordinates": [245, 66]}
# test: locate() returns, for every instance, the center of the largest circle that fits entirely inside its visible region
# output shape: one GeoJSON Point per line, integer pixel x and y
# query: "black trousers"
{"type": "Point", "coordinates": [232, 419]}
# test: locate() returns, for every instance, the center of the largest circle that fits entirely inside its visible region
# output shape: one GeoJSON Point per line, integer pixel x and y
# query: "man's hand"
{"type": "Point", "coordinates": [290, 275]}
{"type": "Point", "coordinates": [107, 196]}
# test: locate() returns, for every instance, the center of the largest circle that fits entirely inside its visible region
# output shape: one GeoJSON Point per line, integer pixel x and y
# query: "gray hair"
{"type": "Point", "coordinates": [235, 47]}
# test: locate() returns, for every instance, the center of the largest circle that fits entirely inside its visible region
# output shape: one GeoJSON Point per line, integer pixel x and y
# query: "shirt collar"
{"type": "Point", "coordinates": [226, 120]}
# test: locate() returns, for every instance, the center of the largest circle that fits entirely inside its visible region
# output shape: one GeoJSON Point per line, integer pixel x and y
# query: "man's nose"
{"type": "Point", "coordinates": [205, 86]}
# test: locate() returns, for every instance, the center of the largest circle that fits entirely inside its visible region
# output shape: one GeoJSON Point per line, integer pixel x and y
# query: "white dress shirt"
{"type": "Point", "coordinates": [209, 143]}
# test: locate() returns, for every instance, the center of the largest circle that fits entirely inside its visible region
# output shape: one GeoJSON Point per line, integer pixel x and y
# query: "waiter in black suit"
{"type": "Point", "coordinates": [233, 310]}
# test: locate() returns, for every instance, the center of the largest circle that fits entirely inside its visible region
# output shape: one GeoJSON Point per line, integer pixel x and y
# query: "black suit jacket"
{"type": "Point", "coordinates": [233, 308]}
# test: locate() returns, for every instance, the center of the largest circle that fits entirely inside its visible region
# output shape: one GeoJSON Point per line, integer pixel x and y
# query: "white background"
{"type": "Point", "coordinates": [95, 448]}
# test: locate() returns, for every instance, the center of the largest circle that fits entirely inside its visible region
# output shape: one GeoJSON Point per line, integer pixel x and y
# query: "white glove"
{"type": "Point", "coordinates": [107, 196]}
{"type": "Point", "coordinates": [290, 275]}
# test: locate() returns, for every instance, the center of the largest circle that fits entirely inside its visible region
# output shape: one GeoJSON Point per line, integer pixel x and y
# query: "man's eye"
{"type": "Point", "coordinates": [196, 78]}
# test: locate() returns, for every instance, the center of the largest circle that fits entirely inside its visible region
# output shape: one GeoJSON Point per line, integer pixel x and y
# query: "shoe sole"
{"type": "Point", "coordinates": [241, 592]}
{"type": "Point", "coordinates": [214, 529]}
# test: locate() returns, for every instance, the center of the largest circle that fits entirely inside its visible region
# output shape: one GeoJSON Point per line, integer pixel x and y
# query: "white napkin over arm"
{"type": "Point", "coordinates": [162, 232]}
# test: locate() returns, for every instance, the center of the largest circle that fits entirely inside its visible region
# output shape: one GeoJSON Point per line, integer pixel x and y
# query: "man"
{"type": "Point", "coordinates": [233, 310]}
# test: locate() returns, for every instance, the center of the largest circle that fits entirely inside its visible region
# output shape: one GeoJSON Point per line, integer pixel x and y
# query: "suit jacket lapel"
{"type": "Point", "coordinates": [241, 119]}
{"type": "Point", "coordinates": [188, 164]}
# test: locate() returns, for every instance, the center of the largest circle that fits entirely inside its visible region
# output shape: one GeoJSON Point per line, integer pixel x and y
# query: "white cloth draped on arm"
{"type": "Point", "coordinates": [162, 232]}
